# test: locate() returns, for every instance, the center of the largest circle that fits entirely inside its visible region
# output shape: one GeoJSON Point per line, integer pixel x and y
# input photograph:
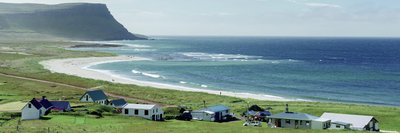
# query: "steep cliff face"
{"type": "Point", "coordinates": [81, 21]}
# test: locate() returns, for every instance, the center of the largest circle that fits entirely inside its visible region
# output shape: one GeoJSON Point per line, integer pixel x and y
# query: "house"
{"type": "Point", "coordinates": [297, 120]}
{"type": "Point", "coordinates": [32, 110]}
{"type": "Point", "coordinates": [357, 122]}
{"type": "Point", "coordinates": [46, 104]}
{"type": "Point", "coordinates": [147, 111]}
{"type": "Point", "coordinates": [118, 103]}
{"type": "Point", "coordinates": [97, 96]}
{"type": "Point", "coordinates": [61, 106]}
{"type": "Point", "coordinates": [212, 113]}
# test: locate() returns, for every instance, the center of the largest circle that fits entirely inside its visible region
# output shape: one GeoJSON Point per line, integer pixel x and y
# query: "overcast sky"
{"type": "Point", "coordinates": [254, 17]}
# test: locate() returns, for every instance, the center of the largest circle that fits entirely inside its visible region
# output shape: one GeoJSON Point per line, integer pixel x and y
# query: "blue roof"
{"type": "Point", "coordinates": [35, 103]}
{"type": "Point", "coordinates": [216, 108]}
{"type": "Point", "coordinates": [97, 95]}
{"type": "Point", "coordinates": [119, 102]}
{"type": "Point", "coordinates": [46, 103]}
{"type": "Point", "coordinates": [61, 105]}
{"type": "Point", "coordinates": [294, 116]}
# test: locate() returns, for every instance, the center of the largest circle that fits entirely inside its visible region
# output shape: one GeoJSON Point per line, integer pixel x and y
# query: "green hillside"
{"type": "Point", "coordinates": [80, 21]}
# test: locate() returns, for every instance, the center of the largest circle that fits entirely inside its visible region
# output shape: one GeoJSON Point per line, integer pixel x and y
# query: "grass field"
{"type": "Point", "coordinates": [14, 90]}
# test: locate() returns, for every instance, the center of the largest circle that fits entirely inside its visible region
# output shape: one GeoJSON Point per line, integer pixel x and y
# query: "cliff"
{"type": "Point", "coordinates": [80, 21]}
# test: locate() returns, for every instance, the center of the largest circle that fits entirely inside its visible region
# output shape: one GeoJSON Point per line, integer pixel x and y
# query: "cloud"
{"type": "Point", "coordinates": [322, 5]}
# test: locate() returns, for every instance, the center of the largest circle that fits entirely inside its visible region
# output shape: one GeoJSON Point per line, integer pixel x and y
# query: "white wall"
{"type": "Point", "coordinates": [30, 113]}
{"type": "Point", "coordinates": [157, 111]}
{"type": "Point", "coordinates": [83, 99]}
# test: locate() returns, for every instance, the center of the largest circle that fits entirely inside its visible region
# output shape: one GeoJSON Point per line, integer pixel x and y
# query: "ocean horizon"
{"type": "Point", "coordinates": [328, 69]}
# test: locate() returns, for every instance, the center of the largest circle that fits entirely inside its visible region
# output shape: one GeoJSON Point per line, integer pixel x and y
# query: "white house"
{"type": "Point", "coordinates": [297, 120]}
{"type": "Point", "coordinates": [32, 110]}
{"type": "Point", "coordinates": [212, 113]}
{"type": "Point", "coordinates": [148, 111]}
{"type": "Point", "coordinates": [356, 122]}
{"type": "Point", "coordinates": [97, 96]}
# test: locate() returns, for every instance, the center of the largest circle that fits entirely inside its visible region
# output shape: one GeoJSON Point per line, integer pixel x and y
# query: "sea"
{"type": "Point", "coordinates": [326, 69]}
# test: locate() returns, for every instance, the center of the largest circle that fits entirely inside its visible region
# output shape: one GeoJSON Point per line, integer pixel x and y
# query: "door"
{"type": "Point", "coordinates": [153, 117]}
{"type": "Point", "coordinates": [278, 123]}
{"type": "Point", "coordinates": [217, 116]}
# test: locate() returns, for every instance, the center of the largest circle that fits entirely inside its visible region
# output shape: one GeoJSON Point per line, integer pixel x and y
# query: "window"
{"type": "Point", "coordinates": [146, 112]}
{"type": "Point", "coordinates": [157, 110]}
{"type": "Point", "coordinates": [136, 112]}
{"type": "Point", "coordinates": [227, 111]}
{"type": "Point", "coordinates": [29, 105]}
{"type": "Point", "coordinates": [287, 121]}
{"type": "Point", "coordinates": [307, 123]}
{"type": "Point", "coordinates": [337, 126]}
{"type": "Point", "coordinates": [126, 111]}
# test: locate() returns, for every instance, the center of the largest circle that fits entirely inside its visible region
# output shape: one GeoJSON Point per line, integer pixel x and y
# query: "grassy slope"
{"type": "Point", "coordinates": [16, 90]}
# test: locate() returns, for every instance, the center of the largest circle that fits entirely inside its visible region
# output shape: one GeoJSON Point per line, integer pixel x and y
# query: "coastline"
{"type": "Point", "coordinates": [80, 67]}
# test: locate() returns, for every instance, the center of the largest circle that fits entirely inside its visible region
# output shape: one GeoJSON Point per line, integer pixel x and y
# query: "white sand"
{"type": "Point", "coordinates": [80, 67]}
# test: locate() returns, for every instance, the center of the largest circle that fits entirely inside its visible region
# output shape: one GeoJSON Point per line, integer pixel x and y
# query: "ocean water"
{"type": "Point", "coordinates": [350, 70]}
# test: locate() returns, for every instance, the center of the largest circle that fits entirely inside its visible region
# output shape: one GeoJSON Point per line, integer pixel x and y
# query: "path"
{"type": "Point", "coordinates": [83, 88]}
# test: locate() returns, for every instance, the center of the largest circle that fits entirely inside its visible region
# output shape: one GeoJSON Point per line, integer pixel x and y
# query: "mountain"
{"type": "Point", "coordinates": [79, 21]}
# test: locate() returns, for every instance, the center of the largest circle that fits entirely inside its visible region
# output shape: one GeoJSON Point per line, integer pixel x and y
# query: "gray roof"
{"type": "Point", "coordinates": [97, 95]}
{"type": "Point", "coordinates": [216, 108]}
{"type": "Point", "coordinates": [294, 116]}
{"type": "Point", "coordinates": [356, 121]}
{"type": "Point", "coordinates": [118, 102]}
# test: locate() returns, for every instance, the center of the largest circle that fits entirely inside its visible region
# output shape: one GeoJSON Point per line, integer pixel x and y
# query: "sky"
{"type": "Point", "coordinates": [253, 17]}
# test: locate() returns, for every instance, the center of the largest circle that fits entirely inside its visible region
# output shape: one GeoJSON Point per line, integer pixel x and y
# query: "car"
{"type": "Point", "coordinates": [186, 115]}
{"type": "Point", "coordinates": [252, 123]}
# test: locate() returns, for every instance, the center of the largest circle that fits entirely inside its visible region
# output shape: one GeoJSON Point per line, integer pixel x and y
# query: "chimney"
{"type": "Point", "coordinates": [287, 108]}
{"type": "Point", "coordinates": [43, 97]}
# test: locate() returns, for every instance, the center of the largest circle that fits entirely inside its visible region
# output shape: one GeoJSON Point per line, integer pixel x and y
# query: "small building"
{"type": "Point", "coordinates": [213, 113]}
{"type": "Point", "coordinates": [118, 103]}
{"type": "Point", "coordinates": [147, 111]}
{"type": "Point", "coordinates": [357, 122]}
{"type": "Point", "coordinates": [32, 110]}
{"type": "Point", "coordinates": [62, 106]}
{"type": "Point", "coordinates": [97, 96]}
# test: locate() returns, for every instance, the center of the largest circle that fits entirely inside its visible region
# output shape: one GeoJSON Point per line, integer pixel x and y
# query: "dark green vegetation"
{"type": "Point", "coordinates": [26, 65]}
{"type": "Point", "coordinates": [80, 21]}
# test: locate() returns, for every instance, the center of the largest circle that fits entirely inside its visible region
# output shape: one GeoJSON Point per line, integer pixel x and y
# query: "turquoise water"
{"type": "Point", "coordinates": [353, 70]}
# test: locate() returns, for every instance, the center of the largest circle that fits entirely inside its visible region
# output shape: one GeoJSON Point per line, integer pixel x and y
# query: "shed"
{"type": "Point", "coordinates": [61, 106]}
{"type": "Point", "coordinates": [212, 113]}
{"type": "Point", "coordinates": [118, 103]}
{"type": "Point", "coordinates": [357, 122]}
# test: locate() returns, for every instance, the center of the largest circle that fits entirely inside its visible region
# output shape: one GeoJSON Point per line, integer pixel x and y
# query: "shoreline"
{"type": "Point", "coordinates": [80, 67]}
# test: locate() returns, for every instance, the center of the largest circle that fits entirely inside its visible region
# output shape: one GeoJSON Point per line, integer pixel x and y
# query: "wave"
{"type": "Point", "coordinates": [148, 74]}
{"type": "Point", "coordinates": [115, 43]}
{"type": "Point", "coordinates": [220, 57]}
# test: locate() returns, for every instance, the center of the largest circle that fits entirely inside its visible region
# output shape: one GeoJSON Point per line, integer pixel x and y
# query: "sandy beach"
{"type": "Point", "coordinates": [80, 67]}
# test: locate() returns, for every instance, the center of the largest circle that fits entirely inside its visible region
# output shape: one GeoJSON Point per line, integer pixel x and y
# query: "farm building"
{"type": "Point", "coordinates": [148, 111]}
{"type": "Point", "coordinates": [61, 106]}
{"type": "Point", "coordinates": [97, 96]}
{"type": "Point", "coordinates": [212, 113]}
{"type": "Point", "coordinates": [32, 110]}
{"type": "Point", "coordinates": [356, 122]}
{"type": "Point", "coordinates": [46, 104]}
